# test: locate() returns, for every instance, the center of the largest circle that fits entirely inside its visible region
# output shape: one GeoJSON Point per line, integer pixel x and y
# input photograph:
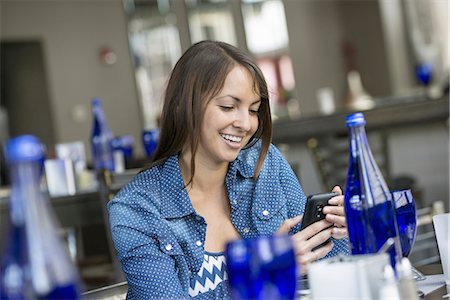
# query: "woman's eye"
{"type": "Point", "coordinates": [226, 108]}
{"type": "Point", "coordinates": [254, 111]}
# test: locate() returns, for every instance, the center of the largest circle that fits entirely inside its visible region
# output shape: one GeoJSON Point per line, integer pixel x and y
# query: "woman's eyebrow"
{"type": "Point", "coordinates": [237, 99]}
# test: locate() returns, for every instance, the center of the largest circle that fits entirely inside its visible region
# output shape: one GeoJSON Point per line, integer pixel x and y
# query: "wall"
{"type": "Point", "coordinates": [362, 24]}
{"type": "Point", "coordinates": [423, 152]}
{"type": "Point", "coordinates": [72, 33]}
{"type": "Point", "coordinates": [317, 30]}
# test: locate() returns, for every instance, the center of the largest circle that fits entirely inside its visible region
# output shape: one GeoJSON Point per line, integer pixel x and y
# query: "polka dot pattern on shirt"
{"type": "Point", "coordinates": [160, 238]}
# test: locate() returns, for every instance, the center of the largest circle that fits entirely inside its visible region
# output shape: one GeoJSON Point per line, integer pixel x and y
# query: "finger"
{"type": "Point", "coordinates": [307, 257]}
{"type": "Point", "coordinates": [334, 210]}
{"type": "Point", "coordinates": [303, 244]}
{"type": "Point", "coordinates": [288, 224]}
{"type": "Point", "coordinates": [302, 247]}
{"type": "Point", "coordinates": [313, 229]}
{"type": "Point", "coordinates": [319, 238]}
{"type": "Point", "coordinates": [337, 200]}
{"type": "Point", "coordinates": [339, 221]}
{"type": "Point", "coordinates": [339, 233]}
{"type": "Point", "coordinates": [337, 189]}
{"type": "Point", "coordinates": [322, 251]}
{"type": "Point", "coordinates": [316, 254]}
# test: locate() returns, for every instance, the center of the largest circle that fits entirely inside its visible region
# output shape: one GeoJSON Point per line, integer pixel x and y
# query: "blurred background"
{"type": "Point", "coordinates": [322, 60]}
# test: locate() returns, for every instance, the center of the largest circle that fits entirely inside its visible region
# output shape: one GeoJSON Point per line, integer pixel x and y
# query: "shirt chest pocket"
{"type": "Point", "coordinates": [269, 210]}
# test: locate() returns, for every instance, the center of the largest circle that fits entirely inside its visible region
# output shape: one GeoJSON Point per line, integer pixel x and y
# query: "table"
{"type": "Point", "coordinates": [81, 209]}
{"type": "Point", "coordinates": [441, 291]}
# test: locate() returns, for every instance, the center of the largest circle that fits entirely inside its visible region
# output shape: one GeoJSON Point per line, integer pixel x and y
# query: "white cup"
{"type": "Point", "coordinates": [441, 227]}
{"type": "Point", "coordinates": [61, 179]}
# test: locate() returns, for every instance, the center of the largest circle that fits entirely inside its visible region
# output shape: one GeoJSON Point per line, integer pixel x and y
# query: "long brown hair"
{"type": "Point", "coordinates": [197, 77]}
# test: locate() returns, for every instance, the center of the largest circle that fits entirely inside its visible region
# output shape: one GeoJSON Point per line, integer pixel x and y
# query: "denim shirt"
{"type": "Point", "coordinates": [160, 238]}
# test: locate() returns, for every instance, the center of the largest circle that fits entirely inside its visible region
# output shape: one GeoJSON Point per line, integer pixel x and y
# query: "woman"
{"type": "Point", "coordinates": [215, 177]}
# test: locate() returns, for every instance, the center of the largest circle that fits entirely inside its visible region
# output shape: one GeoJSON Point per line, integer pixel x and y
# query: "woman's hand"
{"type": "Point", "coordinates": [335, 214]}
{"type": "Point", "coordinates": [307, 239]}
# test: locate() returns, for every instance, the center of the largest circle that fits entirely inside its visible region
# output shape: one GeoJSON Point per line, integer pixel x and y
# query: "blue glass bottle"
{"type": "Point", "coordinates": [34, 264]}
{"type": "Point", "coordinates": [101, 139]}
{"type": "Point", "coordinates": [369, 207]}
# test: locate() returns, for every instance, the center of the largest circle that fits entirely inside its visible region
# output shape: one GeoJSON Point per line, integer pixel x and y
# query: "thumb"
{"type": "Point", "coordinates": [288, 224]}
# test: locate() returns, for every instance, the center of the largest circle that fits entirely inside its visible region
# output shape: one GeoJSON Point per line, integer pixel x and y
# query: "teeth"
{"type": "Point", "coordinates": [232, 138]}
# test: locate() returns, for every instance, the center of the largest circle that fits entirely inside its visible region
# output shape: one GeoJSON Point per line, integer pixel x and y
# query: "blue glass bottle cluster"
{"type": "Point", "coordinates": [101, 139]}
{"type": "Point", "coordinates": [369, 207]}
{"type": "Point", "coordinates": [35, 264]}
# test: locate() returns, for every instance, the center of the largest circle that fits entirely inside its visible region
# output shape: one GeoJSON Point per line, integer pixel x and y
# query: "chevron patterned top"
{"type": "Point", "coordinates": [211, 274]}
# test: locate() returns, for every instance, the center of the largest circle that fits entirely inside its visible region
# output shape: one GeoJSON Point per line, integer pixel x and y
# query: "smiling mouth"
{"type": "Point", "coordinates": [232, 138]}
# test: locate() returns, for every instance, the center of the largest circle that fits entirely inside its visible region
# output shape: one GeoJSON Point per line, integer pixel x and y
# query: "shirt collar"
{"type": "Point", "coordinates": [246, 161]}
{"type": "Point", "coordinates": [175, 200]}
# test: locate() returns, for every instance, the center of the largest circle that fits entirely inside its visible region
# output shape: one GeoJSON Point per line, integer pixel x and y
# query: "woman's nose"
{"type": "Point", "coordinates": [242, 121]}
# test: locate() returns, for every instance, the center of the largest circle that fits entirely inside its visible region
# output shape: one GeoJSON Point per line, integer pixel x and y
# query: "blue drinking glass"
{"type": "Point", "coordinates": [405, 210]}
{"type": "Point", "coordinates": [262, 268]}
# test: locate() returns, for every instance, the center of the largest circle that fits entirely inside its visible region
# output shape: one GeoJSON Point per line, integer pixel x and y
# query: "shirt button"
{"type": "Point", "coordinates": [246, 230]}
{"type": "Point", "coordinates": [265, 213]}
{"type": "Point", "coordinates": [198, 243]}
{"type": "Point", "coordinates": [168, 247]}
{"type": "Point", "coordinates": [234, 201]}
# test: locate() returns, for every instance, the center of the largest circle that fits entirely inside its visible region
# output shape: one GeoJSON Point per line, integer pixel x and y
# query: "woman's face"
{"type": "Point", "coordinates": [230, 120]}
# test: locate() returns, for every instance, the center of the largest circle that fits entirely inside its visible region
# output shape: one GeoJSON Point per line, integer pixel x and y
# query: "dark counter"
{"type": "Point", "coordinates": [77, 211]}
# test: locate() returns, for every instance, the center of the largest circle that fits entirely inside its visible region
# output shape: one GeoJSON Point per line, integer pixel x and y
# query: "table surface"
{"type": "Point", "coordinates": [118, 291]}
{"type": "Point", "coordinates": [432, 270]}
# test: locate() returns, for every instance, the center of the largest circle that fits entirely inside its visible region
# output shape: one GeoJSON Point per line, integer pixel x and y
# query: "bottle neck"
{"type": "Point", "coordinates": [99, 120]}
{"type": "Point", "coordinates": [358, 139]}
{"type": "Point", "coordinates": [25, 185]}
{"type": "Point", "coordinates": [98, 113]}
{"type": "Point", "coordinates": [371, 179]}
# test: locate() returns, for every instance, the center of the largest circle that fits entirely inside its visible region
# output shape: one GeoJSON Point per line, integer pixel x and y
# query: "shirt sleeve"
{"type": "Point", "coordinates": [147, 254]}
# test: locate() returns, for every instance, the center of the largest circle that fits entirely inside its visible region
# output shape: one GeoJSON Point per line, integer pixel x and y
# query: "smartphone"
{"type": "Point", "coordinates": [314, 210]}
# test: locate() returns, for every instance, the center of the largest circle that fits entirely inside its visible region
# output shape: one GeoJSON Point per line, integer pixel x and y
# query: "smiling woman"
{"type": "Point", "coordinates": [216, 178]}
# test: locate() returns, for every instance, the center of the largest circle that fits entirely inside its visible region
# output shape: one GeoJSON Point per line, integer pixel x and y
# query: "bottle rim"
{"type": "Point", "coordinates": [355, 119]}
{"type": "Point", "coordinates": [24, 148]}
{"type": "Point", "coordinates": [96, 101]}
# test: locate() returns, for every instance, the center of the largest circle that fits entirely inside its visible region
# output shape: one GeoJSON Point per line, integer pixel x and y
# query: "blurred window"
{"type": "Point", "coordinates": [265, 25]}
{"type": "Point", "coordinates": [155, 46]}
{"type": "Point", "coordinates": [210, 20]}
{"type": "Point", "coordinates": [267, 39]}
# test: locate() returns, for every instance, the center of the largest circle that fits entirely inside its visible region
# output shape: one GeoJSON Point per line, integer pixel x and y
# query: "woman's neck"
{"type": "Point", "coordinates": [207, 176]}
